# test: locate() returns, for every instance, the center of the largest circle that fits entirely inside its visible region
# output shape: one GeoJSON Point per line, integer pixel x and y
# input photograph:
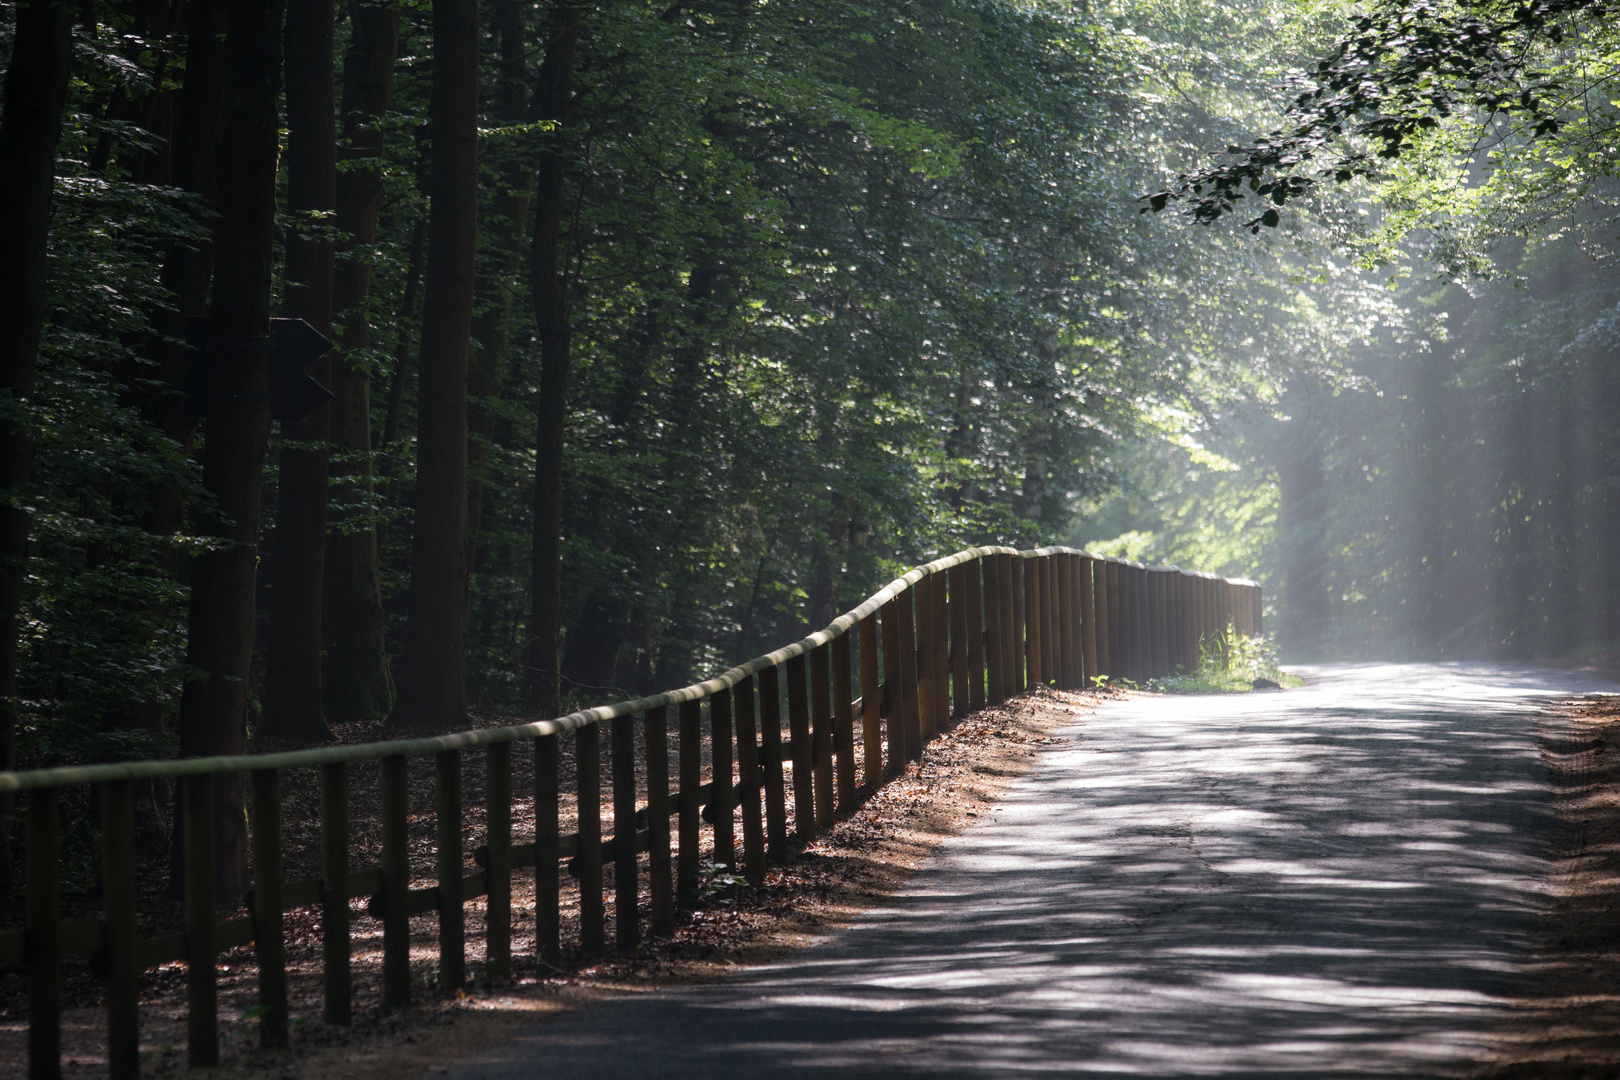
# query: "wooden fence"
{"type": "Point", "coordinates": [944, 640]}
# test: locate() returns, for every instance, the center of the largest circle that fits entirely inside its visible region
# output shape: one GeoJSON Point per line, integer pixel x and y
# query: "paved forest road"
{"type": "Point", "coordinates": [1332, 881]}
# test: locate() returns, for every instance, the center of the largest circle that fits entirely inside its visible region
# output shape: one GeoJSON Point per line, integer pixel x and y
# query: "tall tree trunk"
{"type": "Point", "coordinates": [292, 690]}
{"type": "Point", "coordinates": [213, 707]}
{"type": "Point", "coordinates": [187, 269]}
{"type": "Point", "coordinates": [432, 689]}
{"type": "Point", "coordinates": [553, 321]}
{"type": "Point", "coordinates": [358, 684]}
{"type": "Point", "coordinates": [30, 127]}
{"type": "Point", "coordinates": [508, 220]}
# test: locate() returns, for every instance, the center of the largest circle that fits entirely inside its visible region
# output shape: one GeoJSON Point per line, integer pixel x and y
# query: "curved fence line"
{"type": "Point", "coordinates": [941, 641]}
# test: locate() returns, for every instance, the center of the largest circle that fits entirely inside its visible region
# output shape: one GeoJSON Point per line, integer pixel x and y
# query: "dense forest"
{"type": "Point", "coordinates": [637, 338]}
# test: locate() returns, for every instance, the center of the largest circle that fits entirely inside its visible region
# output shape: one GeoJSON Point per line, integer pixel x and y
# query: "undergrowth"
{"type": "Point", "coordinates": [1252, 660]}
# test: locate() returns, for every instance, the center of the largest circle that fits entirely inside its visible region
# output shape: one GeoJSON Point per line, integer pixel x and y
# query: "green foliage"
{"type": "Point", "coordinates": [1230, 663]}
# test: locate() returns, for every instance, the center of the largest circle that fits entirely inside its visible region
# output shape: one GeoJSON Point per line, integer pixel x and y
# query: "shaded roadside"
{"type": "Point", "coordinates": [1566, 1019]}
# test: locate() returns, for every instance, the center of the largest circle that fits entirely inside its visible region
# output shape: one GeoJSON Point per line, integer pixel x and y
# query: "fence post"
{"type": "Point", "coordinates": [922, 592]}
{"type": "Point", "coordinates": [336, 988]}
{"type": "Point", "coordinates": [498, 860]}
{"type": "Point", "coordinates": [1086, 612]}
{"type": "Point", "coordinates": [1068, 610]}
{"type": "Point", "coordinates": [269, 944]}
{"type": "Point", "coordinates": [940, 616]}
{"type": "Point", "coordinates": [770, 725]}
{"type": "Point", "coordinates": [690, 763]}
{"type": "Point", "coordinates": [910, 717]}
{"type": "Point", "coordinates": [996, 665]}
{"type": "Point", "coordinates": [202, 996]}
{"type": "Point", "coordinates": [894, 709]}
{"type": "Point", "coordinates": [1021, 674]}
{"type": "Point", "coordinates": [843, 723]}
{"type": "Point", "coordinates": [547, 853]}
{"type": "Point", "coordinates": [722, 804]}
{"type": "Point", "coordinates": [396, 881]}
{"type": "Point", "coordinates": [871, 702]}
{"type": "Point", "coordinates": [753, 827]}
{"type": "Point", "coordinates": [956, 583]}
{"type": "Point", "coordinates": [821, 721]}
{"type": "Point", "coordinates": [626, 917]}
{"type": "Point", "coordinates": [1034, 674]}
{"type": "Point", "coordinates": [660, 877]}
{"type": "Point", "coordinates": [1051, 622]}
{"type": "Point", "coordinates": [804, 799]}
{"type": "Point", "coordinates": [588, 770]}
{"type": "Point", "coordinates": [42, 912]}
{"type": "Point", "coordinates": [447, 826]}
{"type": "Point", "coordinates": [118, 901]}
{"type": "Point", "coordinates": [973, 635]}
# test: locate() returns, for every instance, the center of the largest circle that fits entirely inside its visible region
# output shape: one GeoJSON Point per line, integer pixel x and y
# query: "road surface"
{"type": "Point", "coordinates": [1332, 881]}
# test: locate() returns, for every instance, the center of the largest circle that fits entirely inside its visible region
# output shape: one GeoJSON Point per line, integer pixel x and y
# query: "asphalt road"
{"type": "Point", "coordinates": [1332, 881]}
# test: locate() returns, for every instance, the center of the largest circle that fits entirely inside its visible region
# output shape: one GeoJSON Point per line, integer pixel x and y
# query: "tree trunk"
{"type": "Point", "coordinates": [432, 691]}
{"type": "Point", "coordinates": [553, 321]}
{"type": "Point", "coordinates": [187, 269]}
{"type": "Point", "coordinates": [30, 127]}
{"type": "Point", "coordinates": [508, 219]}
{"type": "Point", "coordinates": [358, 684]}
{"type": "Point", "coordinates": [213, 708]}
{"type": "Point", "coordinates": [292, 690]}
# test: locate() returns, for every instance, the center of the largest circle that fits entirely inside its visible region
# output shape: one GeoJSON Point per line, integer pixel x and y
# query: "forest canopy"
{"type": "Point", "coordinates": [662, 332]}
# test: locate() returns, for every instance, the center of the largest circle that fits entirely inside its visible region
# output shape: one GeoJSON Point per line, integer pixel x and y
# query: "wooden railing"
{"type": "Point", "coordinates": [946, 639]}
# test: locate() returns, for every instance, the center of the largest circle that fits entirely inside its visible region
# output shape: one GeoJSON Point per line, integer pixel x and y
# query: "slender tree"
{"type": "Point", "coordinates": [292, 690]}
{"type": "Point", "coordinates": [30, 128]}
{"type": "Point", "coordinates": [553, 100]}
{"type": "Point", "coordinates": [213, 709]}
{"type": "Point", "coordinates": [432, 690]}
{"type": "Point", "coordinates": [357, 681]}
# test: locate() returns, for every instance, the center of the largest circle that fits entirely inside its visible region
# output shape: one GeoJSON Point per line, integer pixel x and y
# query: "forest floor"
{"type": "Point", "coordinates": [861, 859]}
{"type": "Point", "coordinates": [1566, 1021]}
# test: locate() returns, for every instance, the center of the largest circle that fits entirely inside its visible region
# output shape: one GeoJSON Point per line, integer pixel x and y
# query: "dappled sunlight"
{"type": "Point", "coordinates": [1337, 880]}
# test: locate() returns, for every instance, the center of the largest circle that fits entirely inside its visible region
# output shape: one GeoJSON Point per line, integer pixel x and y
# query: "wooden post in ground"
{"type": "Point", "coordinates": [498, 860]}
{"type": "Point", "coordinates": [42, 912]}
{"type": "Point", "coordinates": [922, 593]}
{"type": "Point", "coordinates": [975, 636]}
{"type": "Point", "coordinates": [202, 994]}
{"type": "Point", "coordinates": [910, 716]}
{"type": "Point", "coordinates": [690, 763]}
{"type": "Point", "coordinates": [770, 726]}
{"type": "Point", "coordinates": [996, 666]}
{"type": "Point", "coordinates": [804, 797]}
{"type": "Point", "coordinates": [1032, 622]}
{"type": "Point", "coordinates": [1084, 568]}
{"type": "Point", "coordinates": [452, 912]}
{"type": "Point", "coordinates": [893, 696]}
{"type": "Point", "coordinates": [871, 702]}
{"type": "Point", "coordinates": [337, 990]}
{"type": "Point", "coordinates": [1021, 673]}
{"type": "Point", "coordinates": [588, 773]}
{"type": "Point", "coordinates": [958, 606]}
{"type": "Point", "coordinates": [843, 723]}
{"type": "Point", "coordinates": [722, 804]}
{"type": "Point", "coordinates": [547, 850]}
{"type": "Point", "coordinates": [821, 722]}
{"type": "Point", "coordinates": [753, 827]}
{"type": "Point", "coordinates": [939, 614]}
{"type": "Point", "coordinates": [626, 899]}
{"type": "Point", "coordinates": [118, 910]}
{"type": "Point", "coordinates": [660, 873]}
{"type": "Point", "coordinates": [269, 941]}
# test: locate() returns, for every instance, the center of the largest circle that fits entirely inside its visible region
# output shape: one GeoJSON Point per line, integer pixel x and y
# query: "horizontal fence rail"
{"type": "Point", "coordinates": [948, 638]}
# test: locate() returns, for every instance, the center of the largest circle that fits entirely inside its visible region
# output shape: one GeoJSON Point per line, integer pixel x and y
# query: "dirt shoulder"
{"type": "Point", "coordinates": [859, 861]}
{"type": "Point", "coordinates": [1566, 1020]}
